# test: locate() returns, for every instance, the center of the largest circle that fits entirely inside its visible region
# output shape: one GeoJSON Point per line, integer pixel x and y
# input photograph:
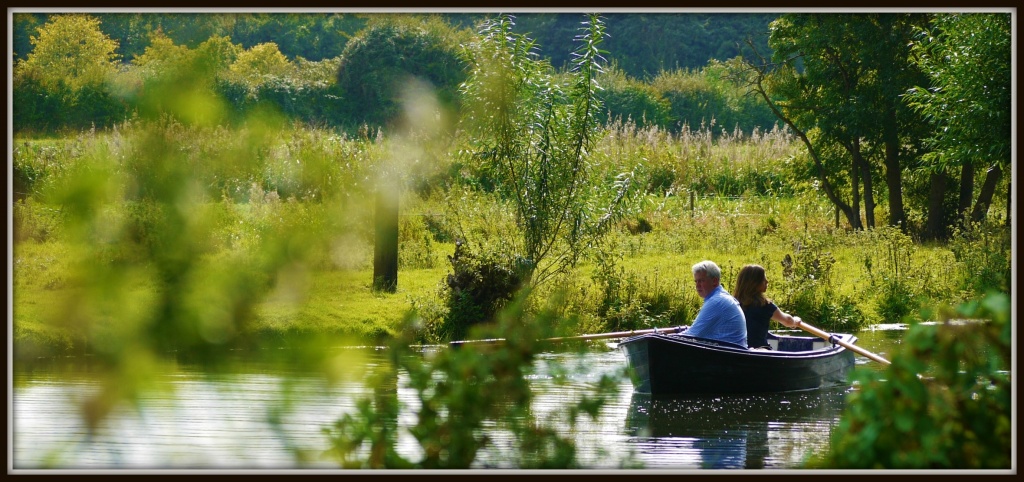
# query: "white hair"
{"type": "Point", "coordinates": [709, 268]}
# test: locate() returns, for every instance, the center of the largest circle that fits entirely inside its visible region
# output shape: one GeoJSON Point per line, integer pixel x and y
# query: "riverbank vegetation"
{"type": "Point", "coordinates": [207, 213]}
{"type": "Point", "coordinates": [636, 277]}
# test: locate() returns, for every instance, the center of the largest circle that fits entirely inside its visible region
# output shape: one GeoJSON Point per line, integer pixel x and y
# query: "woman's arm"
{"type": "Point", "coordinates": [785, 318]}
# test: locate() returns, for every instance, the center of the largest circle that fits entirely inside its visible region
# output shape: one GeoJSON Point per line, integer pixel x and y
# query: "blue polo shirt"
{"type": "Point", "coordinates": [721, 318]}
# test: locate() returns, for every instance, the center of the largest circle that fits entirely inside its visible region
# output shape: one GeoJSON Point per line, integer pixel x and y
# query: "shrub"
{"type": "Point", "coordinates": [417, 247]}
{"type": "Point", "coordinates": [626, 99]}
{"type": "Point", "coordinates": [896, 302]}
{"type": "Point", "coordinates": [983, 251]}
{"type": "Point", "coordinates": [945, 402]}
{"type": "Point", "coordinates": [476, 289]}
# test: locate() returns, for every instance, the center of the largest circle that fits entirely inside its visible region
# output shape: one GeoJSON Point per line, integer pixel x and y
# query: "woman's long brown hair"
{"type": "Point", "coordinates": [748, 285]}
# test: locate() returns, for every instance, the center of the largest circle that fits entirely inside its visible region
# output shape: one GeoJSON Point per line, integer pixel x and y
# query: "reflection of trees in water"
{"type": "Point", "coordinates": [732, 431]}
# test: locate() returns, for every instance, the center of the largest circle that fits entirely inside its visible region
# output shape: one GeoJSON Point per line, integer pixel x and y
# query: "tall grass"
{"type": "Point", "coordinates": [730, 164]}
{"type": "Point", "coordinates": [733, 198]}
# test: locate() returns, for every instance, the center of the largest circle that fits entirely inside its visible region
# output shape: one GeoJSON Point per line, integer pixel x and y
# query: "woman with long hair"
{"type": "Point", "coordinates": [758, 310]}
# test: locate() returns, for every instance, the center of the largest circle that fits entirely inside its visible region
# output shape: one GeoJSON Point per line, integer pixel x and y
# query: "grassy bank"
{"type": "Point", "coordinates": [164, 230]}
{"type": "Point", "coordinates": [837, 279]}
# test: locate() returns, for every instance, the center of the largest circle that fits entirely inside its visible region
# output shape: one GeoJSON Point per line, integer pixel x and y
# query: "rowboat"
{"type": "Point", "coordinates": [676, 364]}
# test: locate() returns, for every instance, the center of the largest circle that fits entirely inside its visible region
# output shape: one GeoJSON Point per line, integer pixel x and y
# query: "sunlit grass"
{"type": "Point", "coordinates": [343, 304]}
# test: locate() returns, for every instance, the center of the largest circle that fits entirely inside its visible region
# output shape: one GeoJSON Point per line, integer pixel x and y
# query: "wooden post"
{"type": "Point", "coordinates": [691, 203]}
{"type": "Point", "coordinates": [385, 247]}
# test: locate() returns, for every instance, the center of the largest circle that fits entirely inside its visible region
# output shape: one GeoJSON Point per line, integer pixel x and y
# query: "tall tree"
{"type": "Point", "coordinates": [378, 63]}
{"type": "Point", "coordinates": [838, 81]}
{"type": "Point", "coordinates": [65, 81]}
{"type": "Point", "coordinates": [260, 61]}
{"type": "Point", "coordinates": [968, 101]}
{"type": "Point", "coordinates": [73, 50]}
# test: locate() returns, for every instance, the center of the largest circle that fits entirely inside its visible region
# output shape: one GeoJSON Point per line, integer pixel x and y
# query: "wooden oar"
{"type": "Point", "coordinates": [814, 331]}
{"type": "Point", "coordinates": [596, 336]}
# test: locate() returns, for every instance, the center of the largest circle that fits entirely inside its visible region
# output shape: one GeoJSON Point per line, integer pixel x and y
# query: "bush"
{"type": "Point", "coordinates": [896, 302]}
{"type": "Point", "coordinates": [477, 288]}
{"type": "Point", "coordinates": [943, 403]}
{"type": "Point", "coordinates": [417, 246]}
{"type": "Point", "coordinates": [983, 251]}
{"type": "Point", "coordinates": [810, 292]}
{"type": "Point", "coordinates": [41, 107]}
{"type": "Point", "coordinates": [627, 99]}
{"type": "Point", "coordinates": [629, 300]}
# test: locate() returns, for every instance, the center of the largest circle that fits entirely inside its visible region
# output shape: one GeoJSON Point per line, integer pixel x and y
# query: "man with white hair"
{"type": "Point", "coordinates": [720, 318]}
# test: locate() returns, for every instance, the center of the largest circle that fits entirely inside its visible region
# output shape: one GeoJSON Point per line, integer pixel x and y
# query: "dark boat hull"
{"type": "Point", "coordinates": [674, 365]}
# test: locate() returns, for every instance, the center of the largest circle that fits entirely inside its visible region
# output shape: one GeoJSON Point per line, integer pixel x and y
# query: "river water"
{"type": "Point", "coordinates": [243, 420]}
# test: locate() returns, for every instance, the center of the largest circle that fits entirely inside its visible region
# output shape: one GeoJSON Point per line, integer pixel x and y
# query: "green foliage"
{"type": "Point", "coordinates": [945, 402]}
{"type": "Point", "coordinates": [840, 84]}
{"type": "Point", "coordinates": [378, 64]}
{"type": "Point", "coordinates": [709, 98]}
{"type": "Point", "coordinates": [42, 104]}
{"type": "Point", "coordinates": [983, 251]}
{"type": "Point", "coordinates": [25, 24]}
{"type": "Point", "coordinates": [478, 287]}
{"type": "Point", "coordinates": [161, 55]}
{"type": "Point", "coordinates": [419, 246]}
{"type": "Point", "coordinates": [72, 50]}
{"type": "Point", "coordinates": [255, 64]}
{"type": "Point", "coordinates": [905, 280]}
{"type": "Point", "coordinates": [629, 300]}
{"type": "Point", "coordinates": [537, 135]}
{"type": "Point", "coordinates": [688, 40]}
{"type": "Point", "coordinates": [465, 397]}
{"type": "Point", "coordinates": [35, 221]}
{"type": "Point", "coordinates": [629, 99]}
{"type": "Point", "coordinates": [187, 50]}
{"type": "Point", "coordinates": [896, 302]}
{"type": "Point", "coordinates": [285, 173]}
{"type": "Point", "coordinates": [646, 43]}
{"type": "Point", "coordinates": [809, 288]}
{"type": "Point", "coordinates": [37, 162]}
{"type": "Point", "coordinates": [314, 36]}
{"type": "Point", "coordinates": [967, 59]}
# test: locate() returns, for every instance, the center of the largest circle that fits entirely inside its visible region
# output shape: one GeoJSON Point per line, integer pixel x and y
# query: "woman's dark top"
{"type": "Point", "coordinates": [757, 323]}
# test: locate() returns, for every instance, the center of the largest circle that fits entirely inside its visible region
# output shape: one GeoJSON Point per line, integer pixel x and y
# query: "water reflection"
{"type": "Point", "coordinates": [732, 431]}
{"type": "Point", "coordinates": [268, 415]}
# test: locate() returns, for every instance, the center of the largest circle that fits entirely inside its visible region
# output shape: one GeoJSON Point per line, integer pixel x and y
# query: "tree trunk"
{"type": "Point", "coordinates": [893, 174]}
{"type": "Point", "coordinates": [758, 87]}
{"type": "Point", "coordinates": [1009, 202]}
{"type": "Point", "coordinates": [819, 167]}
{"type": "Point", "coordinates": [385, 248]}
{"type": "Point", "coordinates": [855, 189]}
{"type": "Point", "coordinates": [987, 191]}
{"type": "Point", "coordinates": [869, 196]}
{"type": "Point", "coordinates": [936, 227]}
{"type": "Point", "coordinates": [966, 191]}
{"type": "Point", "coordinates": [865, 175]}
